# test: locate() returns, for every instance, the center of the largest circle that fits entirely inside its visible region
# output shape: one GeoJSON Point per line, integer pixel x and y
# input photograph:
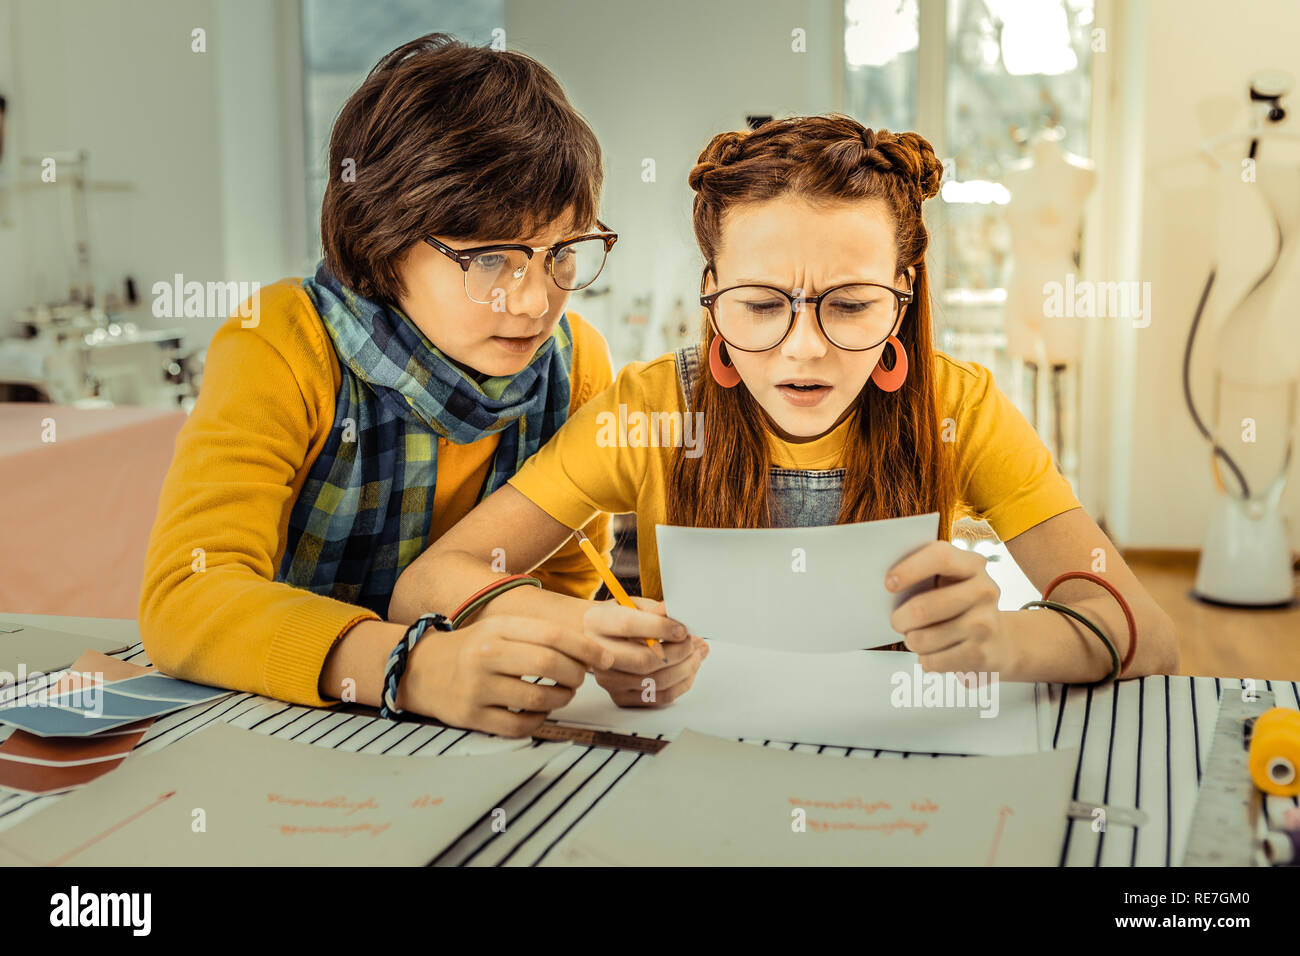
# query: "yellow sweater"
{"type": "Point", "coordinates": [210, 609]}
{"type": "Point", "coordinates": [603, 459]}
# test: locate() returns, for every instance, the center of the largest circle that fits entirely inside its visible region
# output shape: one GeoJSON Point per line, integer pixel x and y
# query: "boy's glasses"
{"type": "Point", "coordinates": [491, 271]}
{"type": "Point", "coordinates": [856, 316]}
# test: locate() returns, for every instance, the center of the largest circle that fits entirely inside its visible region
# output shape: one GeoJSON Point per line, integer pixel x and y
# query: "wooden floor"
{"type": "Point", "coordinates": [1219, 641]}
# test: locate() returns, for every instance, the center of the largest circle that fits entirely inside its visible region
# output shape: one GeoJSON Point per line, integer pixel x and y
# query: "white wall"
{"type": "Point", "coordinates": [196, 137]}
{"type": "Point", "coordinates": [659, 81]}
{"type": "Point", "coordinates": [259, 75]}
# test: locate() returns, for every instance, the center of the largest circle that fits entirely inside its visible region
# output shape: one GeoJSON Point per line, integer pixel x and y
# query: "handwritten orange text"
{"type": "Point", "coordinates": [288, 829]}
{"type": "Point", "coordinates": [822, 826]}
{"type": "Point", "coordinates": [332, 803]}
{"type": "Point", "coordinates": [853, 803]}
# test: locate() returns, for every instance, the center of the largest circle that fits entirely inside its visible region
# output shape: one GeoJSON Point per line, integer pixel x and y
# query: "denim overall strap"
{"type": "Point", "coordinates": [800, 499]}
{"type": "Point", "coordinates": [688, 360]}
{"type": "Point", "coordinates": [805, 499]}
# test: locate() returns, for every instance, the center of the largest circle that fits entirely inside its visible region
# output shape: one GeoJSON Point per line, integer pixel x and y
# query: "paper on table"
{"type": "Point", "coordinates": [52, 721]}
{"type": "Point", "coordinates": [33, 764]}
{"type": "Point", "coordinates": [93, 709]}
{"type": "Point", "coordinates": [155, 686]}
{"type": "Point", "coordinates": [840, 700]}
{"type": "Point", "coordinates": [270, 802]}
{"type": "Point", "coordinates": [804, 589]}
{"type": "Point", "coordinates": [718, 802]}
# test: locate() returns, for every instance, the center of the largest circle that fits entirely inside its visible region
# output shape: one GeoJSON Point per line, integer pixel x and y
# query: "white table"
{"type": "Point", "coordinates": [1143, 744]}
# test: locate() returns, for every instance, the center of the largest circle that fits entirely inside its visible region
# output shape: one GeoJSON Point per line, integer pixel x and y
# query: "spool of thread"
{"type": "Point", "coordinates": [1275, 752]}
{"type": "Point", "coordinates": [1282, 847]}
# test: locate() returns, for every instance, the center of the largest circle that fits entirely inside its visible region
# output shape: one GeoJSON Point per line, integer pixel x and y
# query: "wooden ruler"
{"type": "Point", "coordinates": [600, 738]}
{"type": "Point", "coordinates": [548, 731]}
{"type": "Point", "coordinates": [1227, 825]}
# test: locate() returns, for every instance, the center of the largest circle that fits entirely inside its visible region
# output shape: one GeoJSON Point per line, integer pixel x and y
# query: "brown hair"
{"type": "Point", "coordinates": [454, 140]}
{"type": "Point", "coordinates": [895, 464]}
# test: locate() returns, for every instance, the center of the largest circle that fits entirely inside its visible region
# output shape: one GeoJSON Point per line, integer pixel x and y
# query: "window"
{"type": "Point", "coordinates": [1011, 71]}
{"type": "Point", "coordinates": [1014, 69]}
{"type": "Point", "coordinates": [880, 62]}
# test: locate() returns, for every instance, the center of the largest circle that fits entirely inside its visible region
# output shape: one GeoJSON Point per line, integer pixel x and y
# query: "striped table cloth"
{"type": "Point", "coordinates": [1143, 743]}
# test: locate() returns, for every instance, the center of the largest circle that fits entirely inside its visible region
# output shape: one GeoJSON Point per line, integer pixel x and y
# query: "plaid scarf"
{"type": "Point", "coordinates": [364, 512]}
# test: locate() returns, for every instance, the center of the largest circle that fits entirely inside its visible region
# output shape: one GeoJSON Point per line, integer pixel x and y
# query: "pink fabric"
{"type": "Point", "coordinates": [75, 513]}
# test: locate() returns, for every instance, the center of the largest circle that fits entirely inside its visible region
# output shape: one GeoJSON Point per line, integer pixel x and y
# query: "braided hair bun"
{"type": "Point", "coordinates": [831, 157]}
{"type": "Point", "coordinates": [847, 151]}
{"type": "Point", "coordinates": [927, 171]}
{"type": "Point", "coordinates": [723, 150]}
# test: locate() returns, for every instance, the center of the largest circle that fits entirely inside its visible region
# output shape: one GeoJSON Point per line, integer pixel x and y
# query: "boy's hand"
{"type": "Point", "coordinates": [639, 677]}
{"type": "Point", "coordinates": [471, 677]}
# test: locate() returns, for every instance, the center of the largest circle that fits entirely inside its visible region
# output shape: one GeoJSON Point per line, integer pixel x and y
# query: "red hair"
{"type": "Point", "coordinates": [895, 461]}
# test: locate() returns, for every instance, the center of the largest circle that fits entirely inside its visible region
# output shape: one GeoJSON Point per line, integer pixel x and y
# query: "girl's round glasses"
{"type": "Point", "coordinates": [855, 316]}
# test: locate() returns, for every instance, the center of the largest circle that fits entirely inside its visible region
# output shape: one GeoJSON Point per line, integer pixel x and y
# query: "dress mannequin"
{"type": "Point", "coordinates": [1249, 339]}
{"type": "Point", "coordinates": [1246, 560]}
{"type": "Point", "coordinates": [1048, 191]}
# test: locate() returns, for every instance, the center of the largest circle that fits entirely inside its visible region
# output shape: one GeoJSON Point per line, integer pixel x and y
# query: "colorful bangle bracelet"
{"type": "Point", "coordinates": [1105, 639]}
{"type": "Point", "coordinates": [464, 605]}
{"type": "Point", "coordinates": [1123, 604]}
{"type": "Point", "coordinates": [496, 589]}
{"type": "Point", "coordinates": [396, 665]}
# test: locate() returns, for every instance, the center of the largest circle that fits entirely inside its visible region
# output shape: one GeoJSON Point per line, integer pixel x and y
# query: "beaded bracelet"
{"type": "Point", "coordinates": [396, 665]}
{"type": "Point", "coordinates": [1123, 605]}
{"type": "Point", "coordinates": [485, 594]}
{"type": "Point", "coordinates": [1105, 638]}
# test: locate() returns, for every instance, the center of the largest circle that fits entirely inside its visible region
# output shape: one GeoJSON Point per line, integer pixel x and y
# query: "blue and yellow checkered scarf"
{"type": "Point", "coordinates": [365, 510]}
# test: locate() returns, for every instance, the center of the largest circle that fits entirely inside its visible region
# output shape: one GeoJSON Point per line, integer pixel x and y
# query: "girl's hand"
{"type": "Point", "coordinates": [471, 677]}
{"type": "Point", "coordinates": [638, 677]}
{"type": "Point", "coordinates": [956, 626]}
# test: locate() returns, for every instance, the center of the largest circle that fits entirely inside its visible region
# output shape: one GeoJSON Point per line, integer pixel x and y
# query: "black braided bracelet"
{"type": "Point", "coordinates": [396, 666]}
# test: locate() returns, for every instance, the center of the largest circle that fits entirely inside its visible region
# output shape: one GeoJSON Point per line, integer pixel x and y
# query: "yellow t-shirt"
{"type": "Point", "coordinates": [1004, 472]}
{"type": "Point", "coordinates": [263, 415]}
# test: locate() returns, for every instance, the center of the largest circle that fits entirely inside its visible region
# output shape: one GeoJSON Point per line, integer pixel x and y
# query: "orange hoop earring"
{"type": "Point", "coordinates": [891, 379]}
{"type": "Point", "coordinates": [724, 373]}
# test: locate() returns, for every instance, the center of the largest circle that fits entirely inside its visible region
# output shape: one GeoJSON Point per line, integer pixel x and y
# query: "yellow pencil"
{"type": "Point", "coordinates": [611, 582]}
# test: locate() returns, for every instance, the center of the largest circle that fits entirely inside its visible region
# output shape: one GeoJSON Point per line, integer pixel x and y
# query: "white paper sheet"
{"type": "Point", "coordinates": [805, 589]}
{"type": "Point", "coordinates": [705, 801]}
{"type": "Point", "coordinates": [270, 802]}
{"type": "Point", "coordinates": [874, 699]}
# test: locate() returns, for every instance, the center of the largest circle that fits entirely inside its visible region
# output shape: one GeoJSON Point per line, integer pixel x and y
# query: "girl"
{"type": "Point", "coordinates": [814, 251]}
{"type": "Point", "coordinates": [361, 412]}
